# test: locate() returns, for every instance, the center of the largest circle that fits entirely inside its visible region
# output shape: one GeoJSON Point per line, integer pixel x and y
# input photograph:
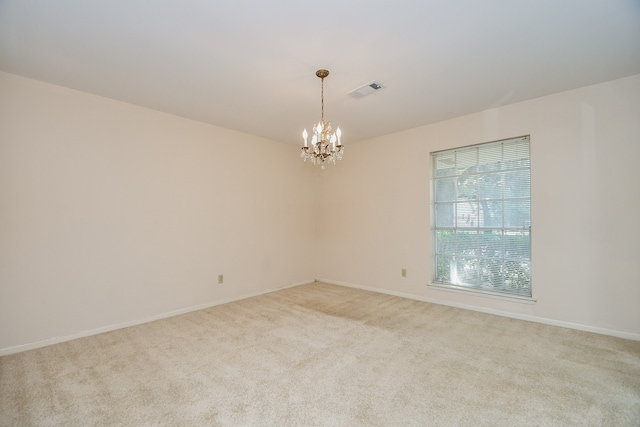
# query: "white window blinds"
{"type": "Point", "coordinates": [482, 216]}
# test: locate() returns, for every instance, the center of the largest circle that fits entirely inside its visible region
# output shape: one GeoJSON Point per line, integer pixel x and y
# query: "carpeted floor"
{"type": "Point", "coordinates": [325, 355]}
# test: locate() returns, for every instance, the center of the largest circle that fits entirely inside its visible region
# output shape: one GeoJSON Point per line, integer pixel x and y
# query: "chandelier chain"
{"type": "Point", "coordinates": [322, 101]}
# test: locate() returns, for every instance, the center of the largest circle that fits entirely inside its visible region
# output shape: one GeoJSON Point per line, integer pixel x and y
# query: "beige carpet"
{"type": "Point", "coordinates": [324, 355]}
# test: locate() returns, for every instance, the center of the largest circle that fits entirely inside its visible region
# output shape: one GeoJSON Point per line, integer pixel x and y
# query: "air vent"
{"type": "Point", "coordinates": [365, 90]}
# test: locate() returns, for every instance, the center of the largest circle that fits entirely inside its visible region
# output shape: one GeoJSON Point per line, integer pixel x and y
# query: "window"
{"type": "Point", "coordinates": [482, 217]}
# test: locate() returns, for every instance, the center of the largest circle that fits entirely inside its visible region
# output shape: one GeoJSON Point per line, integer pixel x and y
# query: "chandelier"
{"type": "Point", "coordinates": [326, 146]}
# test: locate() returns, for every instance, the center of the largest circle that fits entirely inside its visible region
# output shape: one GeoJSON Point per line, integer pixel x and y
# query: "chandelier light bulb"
{"type": "Point", "coordinates": [305, 135]}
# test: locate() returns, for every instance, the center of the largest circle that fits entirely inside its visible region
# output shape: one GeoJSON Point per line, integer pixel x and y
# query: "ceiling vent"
{"type": "Point", "coordinates": [365, 90]}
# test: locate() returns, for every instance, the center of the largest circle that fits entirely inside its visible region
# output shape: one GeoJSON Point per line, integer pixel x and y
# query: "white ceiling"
{"type": "Point", "coordinates": [250, 65]}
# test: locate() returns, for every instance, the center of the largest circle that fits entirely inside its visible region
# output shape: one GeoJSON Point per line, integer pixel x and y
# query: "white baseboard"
{"type": "Point", "coordinates": [551, 322]}
{"type": "Point", "coordinates": [83, 334]}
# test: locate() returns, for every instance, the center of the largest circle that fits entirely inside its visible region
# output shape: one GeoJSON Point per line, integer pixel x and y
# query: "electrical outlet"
{"type": "Point", "coordinates": [404, 272]}
{"type": "Point", "coordinates": [220, 278]}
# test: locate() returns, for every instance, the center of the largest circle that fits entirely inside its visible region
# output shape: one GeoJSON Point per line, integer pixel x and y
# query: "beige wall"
{"type": "Point", "coordinates": [585, 148]}
{"type": "Point", "coordinates": [111, 213]}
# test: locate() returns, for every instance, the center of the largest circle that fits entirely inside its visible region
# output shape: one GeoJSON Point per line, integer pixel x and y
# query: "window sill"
{"type": "Point", "coordinates": [486, 294]}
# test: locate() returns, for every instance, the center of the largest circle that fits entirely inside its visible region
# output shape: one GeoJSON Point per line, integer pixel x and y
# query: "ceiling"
{"type": "Point", "coordinates": [250, 65]}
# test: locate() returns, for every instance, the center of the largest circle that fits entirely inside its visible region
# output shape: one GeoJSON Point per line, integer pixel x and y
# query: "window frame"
{"type": "Point", "coordinates": [505, 289]}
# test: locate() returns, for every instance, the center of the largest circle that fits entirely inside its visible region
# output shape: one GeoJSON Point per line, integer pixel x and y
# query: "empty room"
{"type": "Point", "coordinates": [345, 213]}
